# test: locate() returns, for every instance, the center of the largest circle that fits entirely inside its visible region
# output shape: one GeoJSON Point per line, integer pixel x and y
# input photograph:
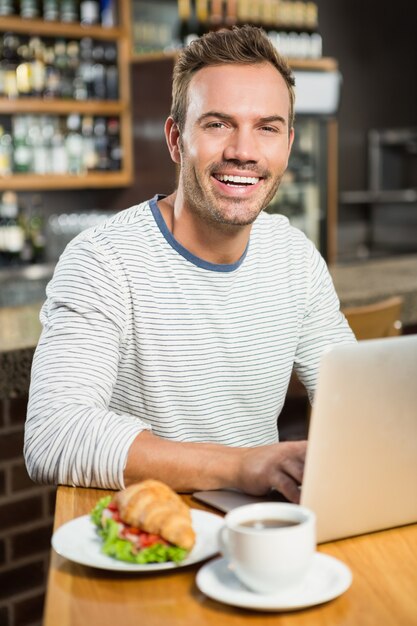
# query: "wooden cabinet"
{"type": "Point", "coordinates": [120, 108]}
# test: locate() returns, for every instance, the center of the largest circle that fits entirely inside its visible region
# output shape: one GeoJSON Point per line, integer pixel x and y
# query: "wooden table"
{"type": "Point", "coordinates": [383, 593]}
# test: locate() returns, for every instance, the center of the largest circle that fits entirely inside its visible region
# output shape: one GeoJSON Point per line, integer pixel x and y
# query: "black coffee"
{"type": "Point", "coordinates": [265, 524]}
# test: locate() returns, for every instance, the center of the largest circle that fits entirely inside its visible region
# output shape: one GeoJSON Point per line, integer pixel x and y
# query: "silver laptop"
{"type": "Point", "coordinates": [361, 467]}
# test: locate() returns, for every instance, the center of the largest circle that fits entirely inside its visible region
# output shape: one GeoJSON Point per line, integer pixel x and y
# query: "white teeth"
{"type": "Point", "coordinates": [248, 180]}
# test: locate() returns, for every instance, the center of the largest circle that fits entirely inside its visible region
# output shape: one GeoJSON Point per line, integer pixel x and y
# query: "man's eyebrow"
{"type": "Point", "coordinates": [219, 114]}
{"type": "Point", "coordinates": [225, 116]}
{"type": "Point", "coordinates": [273, 118]}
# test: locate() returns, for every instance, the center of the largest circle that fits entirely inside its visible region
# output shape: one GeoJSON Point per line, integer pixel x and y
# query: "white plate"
{"type": "Point", "coordinates": [78, 541]}
{"type": "Point", "coordinates": [326, 579]}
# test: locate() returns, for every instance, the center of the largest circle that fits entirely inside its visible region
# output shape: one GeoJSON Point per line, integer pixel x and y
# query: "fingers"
{"type": "Point", "coordinates": [288, 487]}
{"type": "Point", "coordinates": [279, 466]}
{"type": "Point", "coordinates": [295, 469]}
{"type": "Point", "coordinates": [290, 471]}
{"type": "Point", "coordinates": [297, 449]}
{"type": "Point", "coordinates": [293, 459]}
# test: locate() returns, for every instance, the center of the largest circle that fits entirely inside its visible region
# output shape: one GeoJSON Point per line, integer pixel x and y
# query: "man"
{"type": "Point", "coordinates": [171, 331]}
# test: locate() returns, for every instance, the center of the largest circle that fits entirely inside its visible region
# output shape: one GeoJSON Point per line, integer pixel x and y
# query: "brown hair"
{"type": "Point", "coordinates": [245, 45]}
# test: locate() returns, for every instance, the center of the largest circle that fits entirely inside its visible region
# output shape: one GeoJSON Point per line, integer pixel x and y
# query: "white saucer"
{"type": "Point", "coordinates": [326, 579]}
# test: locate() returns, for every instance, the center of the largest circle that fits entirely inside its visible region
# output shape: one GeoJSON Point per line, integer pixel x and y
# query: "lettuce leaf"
{"type": "Point", "coordinates": [97, 512]}
{"type": "Point", "coordinates": [121, 549]}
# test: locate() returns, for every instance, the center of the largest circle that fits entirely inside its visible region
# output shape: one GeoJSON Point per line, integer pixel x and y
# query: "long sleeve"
{"type": "Point", "coordinates": [71, 435]}
{"type": "Point", "coordinates": [323, 324]}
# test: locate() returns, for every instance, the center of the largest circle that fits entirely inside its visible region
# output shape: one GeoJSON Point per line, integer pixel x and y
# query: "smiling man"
{"type": "Point", "coordinates": [171, 331]}
{"type": "Point", "coordinates": [235, 142]}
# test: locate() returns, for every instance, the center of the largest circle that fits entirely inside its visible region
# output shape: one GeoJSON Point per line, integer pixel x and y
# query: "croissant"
{"type": "Point", "coordinates": [153, 507]}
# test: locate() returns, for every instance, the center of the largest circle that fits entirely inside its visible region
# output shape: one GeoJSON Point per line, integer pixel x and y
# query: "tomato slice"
{"type": "Point", "coordinates": [144, 539]}
{"type": "Point", "coordinates": [147, 540]}
{"type": "Point", "coordinates": [132, 530]}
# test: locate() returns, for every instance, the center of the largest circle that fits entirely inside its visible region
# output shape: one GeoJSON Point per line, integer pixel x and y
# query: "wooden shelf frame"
{"type": "Point", "coordinates": [61, 107]}
{"type": "Point", "coordinates": [121, 35]}
{"type": "Point", "coordinates": [42, 28]}
{"type": "Point", "coordinates": [38, 182]}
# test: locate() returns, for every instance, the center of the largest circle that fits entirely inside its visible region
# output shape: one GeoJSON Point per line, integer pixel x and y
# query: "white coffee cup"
{"type": "Point", "coordinates": [268, 560]}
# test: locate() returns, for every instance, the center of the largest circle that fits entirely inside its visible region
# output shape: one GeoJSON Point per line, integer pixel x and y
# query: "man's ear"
{"type": "Point", "coordinates": [291, 139]}
{"type": "Point", "coordinates": [172, 136]}
{"type": "Point", "coordinates": [290, 142]}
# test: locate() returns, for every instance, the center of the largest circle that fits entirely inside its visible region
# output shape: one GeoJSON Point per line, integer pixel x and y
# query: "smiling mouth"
{"type": "Point", "coordinates": [237, 181]}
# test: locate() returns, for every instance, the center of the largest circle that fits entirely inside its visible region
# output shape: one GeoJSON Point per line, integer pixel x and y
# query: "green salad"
{"type": "Point", "coordinates": [145, 549]}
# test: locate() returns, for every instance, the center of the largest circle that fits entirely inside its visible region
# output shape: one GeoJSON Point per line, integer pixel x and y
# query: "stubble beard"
{"type": "Point", "coordinates": [205, 203]}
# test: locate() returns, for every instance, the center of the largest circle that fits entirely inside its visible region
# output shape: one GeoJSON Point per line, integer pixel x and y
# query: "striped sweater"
{"type": "Point", "coordinates": [138, 333]}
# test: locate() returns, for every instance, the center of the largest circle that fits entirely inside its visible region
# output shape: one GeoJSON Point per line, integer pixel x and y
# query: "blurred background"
{"type": "Point", "coordinates": [85, 88]}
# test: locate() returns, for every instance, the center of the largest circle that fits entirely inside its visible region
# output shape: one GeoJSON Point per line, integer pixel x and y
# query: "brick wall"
{"type": "Point", "coordinates": [26, 517]}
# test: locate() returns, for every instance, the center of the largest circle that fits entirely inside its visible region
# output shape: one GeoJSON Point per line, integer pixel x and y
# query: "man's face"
{"type": "Point", "coordinates": [235, 143]}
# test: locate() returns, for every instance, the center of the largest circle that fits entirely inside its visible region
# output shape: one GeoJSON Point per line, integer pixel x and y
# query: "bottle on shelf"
{"type": "Point", "coordinates": [37, 67]}
{"type": "Point", "coordinates": [243, 11]}
{"type": "Point", "coordinates": [41, 134]}
{"type": "Point", "coordinates": [41, 163]}
{"type": "Point", "coordinates": [90, 156]}
{"type": "Point", "coordinates": [316, 45]}
{"type": "Point", "coordinates": [2, 69]}
{"type": "Point", "coordinates": [294, 30]}
{"type": "Point", "coordinates": [115, 149]}
{"type": "Point", "coordinates": [79, 86]}
{"type": "Point", "coordinates": [108, 12]}
{"type": "Point", "coordinates": [74, 145]}
{"type": "Point", "coordinates": [23, 72]}
{"type": "Point", "coordinates": [112, 72]}
{"type": "Point", "coordinates": [12, 236]}
{"type": "Point", "coordinates": [7, 7]}
{"type": "Point", "coordinates": [231, 13]}
{"type": "Point", "coordinates": [184, 17]}
{"type": "Point", "coordinates": [22, 148]}
{"type": "Point", "coordinates": [71, 70]}
{"type": "Point", "coordinates": [101, 142]}
{"type": "Point", "coordinates": [216, 17]}
{"type": "Point", "coordinates": [52, 75]}
{"type": "Point", "coordinates": [59, 156]}
{"type": "Point", "coordinates": [86, 66]}
{"type": "Point", "coordinates": [11, 60]}
{"type": "Point", "coordinates": [267, 14]}
{"type": "Point", "coordinates": [255, 12]}
{"type": "Point", "coordinates": [98, 72]}
{"type": "Point", "coordinates": [202, 15]}
{"type": "Point", "coordinates": [50, 10]}
{"type": "Point", "coordinates": [29, 9]}
{"type": "Point", "coordinates": [68, 11]}
{"type": "Point", "coordinates": [89, 12]}
{"type": "Point", "coordinates": [6, 153]}
{"type": "Point", "coordinates": [59, 61]}
{"type": "Point", "coordinates": [62, 65]}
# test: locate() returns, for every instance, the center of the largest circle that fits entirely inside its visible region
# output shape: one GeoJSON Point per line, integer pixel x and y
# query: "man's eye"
{"type": "Point", "coordinates": [216, 125]}
{"type": "Point", "coordinates": [269, 129]}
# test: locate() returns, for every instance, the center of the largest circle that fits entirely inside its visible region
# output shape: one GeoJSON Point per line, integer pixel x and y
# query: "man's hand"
{"type": "Point", "coordinates": [279, 466]}
{"type": "Point", "coordinates": [201, 466]}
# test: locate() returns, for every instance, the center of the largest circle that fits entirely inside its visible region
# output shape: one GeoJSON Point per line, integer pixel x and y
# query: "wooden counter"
{"type": "Point", "coordinates": [370, 281]}
{"type": "Point", "coordinates": [20, 327]}
{"type": "Point", "coordinates": [383, 592]}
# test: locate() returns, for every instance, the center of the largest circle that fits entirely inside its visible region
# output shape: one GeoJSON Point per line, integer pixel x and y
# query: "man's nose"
{"type": "Point", "coordinates": [242, 146]}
